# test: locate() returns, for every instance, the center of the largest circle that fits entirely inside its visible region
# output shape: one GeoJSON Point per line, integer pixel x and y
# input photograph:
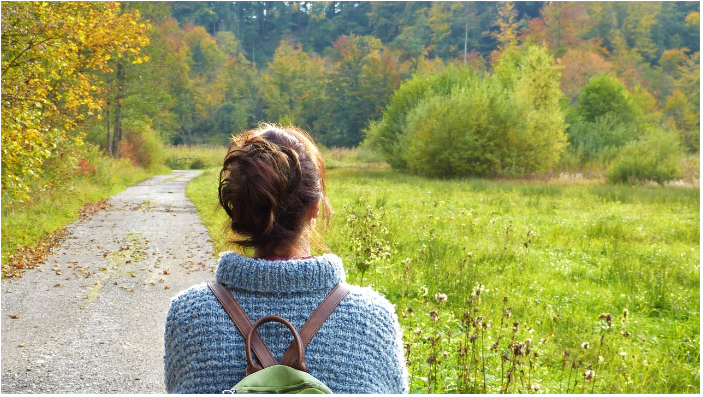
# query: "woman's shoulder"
{"type": "Point", "coordinates": [370, 303]}
{"type": "Point", "coordinates": [192, 299]}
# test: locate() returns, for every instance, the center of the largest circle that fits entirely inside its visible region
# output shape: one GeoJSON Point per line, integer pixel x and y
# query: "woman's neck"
{"type": "Point", "coordinates": [293, 251]}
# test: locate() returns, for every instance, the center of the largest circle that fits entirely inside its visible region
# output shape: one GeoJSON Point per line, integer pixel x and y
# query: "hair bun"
{"type": "Point", "coordinates": [268, 182]}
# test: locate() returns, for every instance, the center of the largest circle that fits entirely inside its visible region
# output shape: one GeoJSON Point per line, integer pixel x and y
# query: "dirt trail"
{"type": "Point", "coordinates": [90, 319]}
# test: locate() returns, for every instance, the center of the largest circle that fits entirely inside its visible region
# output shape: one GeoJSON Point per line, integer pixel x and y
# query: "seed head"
{"type": "Point", "coordinates": [473, 338]}
{"type": "Point", "coordinates": [410, 310]}
{"type": "Point", "coordinates": [506, 312]}
{"type": "Point", "coordinates": [625, 312]}
{"type": "Point", "coordinates": [585, 345]}
{"type": "Point", "coordinates": [588, 374]}
{"type": "Point", "coordinates": [440, 297]}
{"type": "Point", "coordinates": [625, 334]}
{"type": "Point", "coordinates": [433, 315]}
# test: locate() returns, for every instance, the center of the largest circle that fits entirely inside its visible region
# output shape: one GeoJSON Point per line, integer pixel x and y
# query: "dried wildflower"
{"type": "Point", "coordinates": [478, 321]}
{"type": "Point", "coordinates": [585, 345]}
{"type": "Point", "coordinates": [535, 388]}
{"type": "Point", "coordinates": [431, 359]}
{"type": "Point", "coordinates": [505, 357]}
{"type": "Point", "coordinates": [494, 346]}
{"type": "Point", "coordinates": [506, 312]}
{"type": "Point", "coordinates": [410, 310]}
{"type": "Point", "coordinates": [478, 289]}
{"type": "Point", "coordinates": [469, 301]}
{"type": "Point", "coordinates": [606, 316]}
{"type": "Point", "coordinates": [473, 338]}
{"type": "Point", "coordinates": [567, 352]}
{"type": "Point", "coordinates": [505, 299]}
{"type": "Point", "coordinates": [440, 297]}
{"type": "Point", "coordinates": [625, 312]}
{"type": "Point", "coordinates": [516, 325]}
{"type": "Point", "coordinates": [601, 359]}
{"type": "Point", "coordinates": [625, 334]}
{"type": "Point", "coordinates": [434, 316]}
{"type": "Point", "coordinates": [536, 354]}
{"type": "Point", "coordinates": [518, 348]}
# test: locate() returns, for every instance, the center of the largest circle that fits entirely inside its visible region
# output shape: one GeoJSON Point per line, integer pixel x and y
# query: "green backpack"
{"type": "Point", "coordinates": [290, 375]}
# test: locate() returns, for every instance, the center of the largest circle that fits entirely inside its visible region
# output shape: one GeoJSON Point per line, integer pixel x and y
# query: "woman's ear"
{"type": "Point", "coordinates": [314, 209]}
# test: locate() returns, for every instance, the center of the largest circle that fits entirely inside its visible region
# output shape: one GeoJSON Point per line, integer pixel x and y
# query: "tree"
{"type": "Point", "coordinates": [507, 26]}
{"type": "Point", "coordinates": [52, 54]}
{"type": "Point", "coordinates": [680, 115]}
{"type": "Point", "coordinates": [578, 66]}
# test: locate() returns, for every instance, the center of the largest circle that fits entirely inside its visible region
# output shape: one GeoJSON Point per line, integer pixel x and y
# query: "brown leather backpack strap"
{"type": "Point", "coordinates": [315, 321]}
{"type": "Point", "coordinates": [240, 319]}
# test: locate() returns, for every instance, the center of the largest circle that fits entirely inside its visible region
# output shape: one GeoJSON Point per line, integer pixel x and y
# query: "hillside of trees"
{"type": "Point", "coordinates": [197, 72]}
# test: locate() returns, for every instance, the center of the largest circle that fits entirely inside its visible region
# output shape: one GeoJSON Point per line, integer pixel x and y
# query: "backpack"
{"type": "Point", "coordinates": [290, 375]}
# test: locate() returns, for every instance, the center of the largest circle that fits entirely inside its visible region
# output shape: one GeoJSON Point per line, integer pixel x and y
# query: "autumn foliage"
{"type": "Point", "coordinates": [52, 53]}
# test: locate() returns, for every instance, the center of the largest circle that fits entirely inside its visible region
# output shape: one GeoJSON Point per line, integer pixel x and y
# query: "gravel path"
{"type": "Point", "coordinates": [91, 318]}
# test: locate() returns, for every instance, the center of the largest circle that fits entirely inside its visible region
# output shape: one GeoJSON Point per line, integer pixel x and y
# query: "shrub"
{"type": "Point", "coordinates": [656, 157]}
{"type": "Point", "coordinates": [466, 124]}
{"type": "Point", "coordinates": [599, 140]}
{"type": "Point", "coordinates": [142, 146]}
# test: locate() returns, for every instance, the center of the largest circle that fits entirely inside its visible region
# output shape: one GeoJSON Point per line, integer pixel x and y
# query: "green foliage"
{"type": "Point", "coordinates": [142, 145]}
{"type": "Point", "coordinates": [604, 95]}
{"type": "Point", "coordinates": [655, 157]}
{"type": "Point", "coordinates": [600, 140]}
{"type": "Point", "coordinates": [458, 123]}
{"type": "Point", "coordinates": [368, 237]}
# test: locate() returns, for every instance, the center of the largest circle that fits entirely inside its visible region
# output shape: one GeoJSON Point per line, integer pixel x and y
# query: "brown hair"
{"type": "Point", "coordinates": [270, 178]}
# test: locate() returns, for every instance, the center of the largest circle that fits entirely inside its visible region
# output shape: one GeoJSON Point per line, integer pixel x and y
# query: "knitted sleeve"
{"type": "Point", "coordinates": [380, 347]}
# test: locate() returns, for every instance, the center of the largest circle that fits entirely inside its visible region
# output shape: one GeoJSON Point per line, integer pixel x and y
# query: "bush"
{"type": "Point", "coordinates": [458, 123]}
{"type": "Point", "coordinates": [656, 157]}
{"type": "Point", "coordinates": [141, 145]}
{"type": "Point", "coordinates": [599, 140]}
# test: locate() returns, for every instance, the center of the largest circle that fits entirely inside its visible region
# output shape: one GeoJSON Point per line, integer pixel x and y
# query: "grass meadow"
{"type": "Point", "coordinates": [521, 287]}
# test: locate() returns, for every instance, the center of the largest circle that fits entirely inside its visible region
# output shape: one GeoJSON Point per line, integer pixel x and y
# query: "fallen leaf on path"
{"type": "Point", "coordinates": [167, 287]}
{"type": "Point", "coordinates": [21, 345]}
{"type": "Point", "coordinates": [14, 316]}
{"type": "Point", "coordinates": [57, 285]}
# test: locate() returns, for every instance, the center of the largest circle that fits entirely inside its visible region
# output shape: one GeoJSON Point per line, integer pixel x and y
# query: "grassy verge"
{"type": "Point", "coordinates": [194, 157]}
{"type": "Point", "coordinates": [505, 286]}
{"type": "Point", "coordinates": [31, 225]}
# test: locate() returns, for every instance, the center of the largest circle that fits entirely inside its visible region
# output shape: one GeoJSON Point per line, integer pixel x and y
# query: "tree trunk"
{"type": "Point", "coordinates": [108, 143]}
{"type": "Point", "coordinates": [466, 39]}
{"type": "Point", "coordinates": [117, 135]}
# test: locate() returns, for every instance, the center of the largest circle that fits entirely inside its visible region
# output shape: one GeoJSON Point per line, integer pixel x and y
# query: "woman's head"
{"type": "Point", "coordinates": [271, 186]}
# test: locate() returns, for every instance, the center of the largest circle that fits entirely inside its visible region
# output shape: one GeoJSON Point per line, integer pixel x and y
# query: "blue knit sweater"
{"type": "Point", "coordinates": [358, 349]}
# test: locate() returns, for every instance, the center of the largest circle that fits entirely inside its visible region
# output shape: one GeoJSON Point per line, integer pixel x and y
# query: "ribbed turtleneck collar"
{"type": "Point", "coordinates": [295, 275]}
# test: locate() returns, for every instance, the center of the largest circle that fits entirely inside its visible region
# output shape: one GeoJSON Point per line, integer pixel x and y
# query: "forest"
{"type": "Point", "coordinates": [520, 179]}
{"type": "Point", "coordinates": [623, 77]}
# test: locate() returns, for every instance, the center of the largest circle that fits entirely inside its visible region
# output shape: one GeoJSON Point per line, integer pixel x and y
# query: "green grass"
{"type": "Point", "coordinates": [557, 254]}
{"type": "Point", "coordinates": [199, 157]}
